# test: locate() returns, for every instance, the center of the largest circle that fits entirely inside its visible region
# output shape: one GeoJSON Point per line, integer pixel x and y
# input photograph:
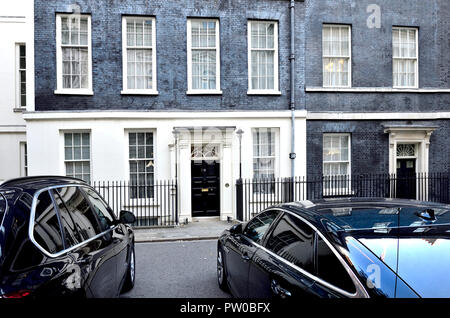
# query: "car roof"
{"type": "Point", "coordinates": [352, 214]}
{"type": "Point", "coordinates": [36, 183]}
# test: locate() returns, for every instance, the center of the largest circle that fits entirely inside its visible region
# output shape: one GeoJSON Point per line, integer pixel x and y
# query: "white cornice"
{"type": "Point", "coordinates": [12, 129]}
{"type": "Point", "coordinates": [376, 116]}
{"type": "Point", "coordinates": [111, 114]}
{"type": "Point", "coordinates": [311, 89]}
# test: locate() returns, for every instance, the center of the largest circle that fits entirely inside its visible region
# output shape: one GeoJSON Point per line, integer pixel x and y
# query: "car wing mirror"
{"type": "Point", "coordinates": [127, 217]}
{"type": "Point", "coordinates": [236, 229]}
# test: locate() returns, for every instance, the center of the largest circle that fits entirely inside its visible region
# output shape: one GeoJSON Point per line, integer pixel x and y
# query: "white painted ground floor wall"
{"type": "Point", "coordinates": [12, 160]}
{"type": "Point", "coordinates": [109, 145]}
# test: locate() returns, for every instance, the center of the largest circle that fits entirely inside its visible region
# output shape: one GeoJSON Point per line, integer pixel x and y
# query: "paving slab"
{"type": "Point", "coordinates": [195, 230]}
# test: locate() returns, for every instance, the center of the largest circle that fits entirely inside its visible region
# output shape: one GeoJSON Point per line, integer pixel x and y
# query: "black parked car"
{"type": "Point", "coordinates": [339, 248]}
{"type": "Point", "coordinates": [58, 237]}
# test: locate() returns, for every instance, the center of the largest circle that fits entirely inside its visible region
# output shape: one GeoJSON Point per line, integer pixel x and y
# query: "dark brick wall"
{"type": "Point", "coordinates": [171, 19]}
{"type": "Point", "coordinates": [372, 53]}
{"type": "Point", "coordinates": [370, 145]}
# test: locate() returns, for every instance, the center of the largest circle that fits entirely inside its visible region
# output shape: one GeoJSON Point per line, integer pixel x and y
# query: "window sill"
{"type": "Point", "coordinates": [19, 109]}
{"type": "Point", "coordinates": [139, 92]}
{"type": "Point", "coordinates": [264, 92]}
{"type": "Point", "coordinates": [405, 87]}
{"type": "Point", "coordinates": [74, 92]}
{"type": "Point", "coordinates": [203, 92]}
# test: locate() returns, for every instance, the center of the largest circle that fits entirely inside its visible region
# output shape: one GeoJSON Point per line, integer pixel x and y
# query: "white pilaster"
{"type": "Point", "coordinates": [227, 180]}
{"type": "Point", "coordinates": [184, 177]}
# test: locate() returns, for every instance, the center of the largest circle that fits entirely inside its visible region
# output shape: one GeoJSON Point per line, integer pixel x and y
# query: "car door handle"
{"type": "Point", "coordinates": [278, 290]}
{"type": "Point", "coordinates": [245, 257]}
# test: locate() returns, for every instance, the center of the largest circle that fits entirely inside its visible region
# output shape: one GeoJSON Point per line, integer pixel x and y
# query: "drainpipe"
{"type": "Point", "coordinates": [292, 155]}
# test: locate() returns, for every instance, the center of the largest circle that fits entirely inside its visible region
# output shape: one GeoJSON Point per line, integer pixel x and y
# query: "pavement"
{"type": "Point", "coordinates": [198, 229]}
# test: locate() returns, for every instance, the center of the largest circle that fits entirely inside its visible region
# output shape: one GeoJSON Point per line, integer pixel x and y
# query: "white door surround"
{"type": "Point", "coordinates": [219, 138]}
{"type": "Point", "coordinates": [410, 134]}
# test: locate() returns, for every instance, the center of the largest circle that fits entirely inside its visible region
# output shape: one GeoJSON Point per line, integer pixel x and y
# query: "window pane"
{"type": "Point", "coordinates": [148, 33]}
{"type": "Point", "coordinates": [85, 154]}
{"type": "Point", "coordinates": [203, 64]}
{"type": "Point", "coordinates": [83, 24]}
{"type": "Point", "coordinates": [336, 149]}
{"type": "Point", "coordinates": [335, 42]}
{"type": "Point", "coordinates": [47, 231]}
{"type": "Point", "coordinates": [23, 63]}
{"type": "Point", "coordinates": [80, 211]}
{"type": "Point", "coordinates": [74, 31]}
{"type": "Point", "coordinates": [257, 227]}
{"type": "Point", "coordinates": [71, 235]}
{"type": "Point", "coordinates": [85, 139]}
{"type": "Point", "coordinates": [330, 269]}
{"type": "Point", "coordinates": [405, 57]}
{"type": "Point", "coordinates": [64, 24]}
{"type": "Point", "coordinates": [101, 209]}
{"type": "Point", "coordinates": [77, 139]}
{"type": "Point", "coordinates": [130, 33]}
{"type": "Point", "coordinates": [293, 240]}
{"type": "Point", "coordinates": [68, 139]}
{"type": "Point", "coordinates": [141, 171]}
{"type": "Point", "coordinates": [203, 69]}
{"type": "Point", "coordinates": [264, 153]}
{"type": "Point", "coordinates": [139, 32]}
{"type": "Point", "coordinates": [412, 43]}
{"type": "Point", "coordinates": [83, 38]}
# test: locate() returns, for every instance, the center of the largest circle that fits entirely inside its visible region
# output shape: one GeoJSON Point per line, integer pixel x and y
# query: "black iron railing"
{"type": "Point", "coordinates": [153, 205]}
{"type": "Point", "coordinates": [254, 195]}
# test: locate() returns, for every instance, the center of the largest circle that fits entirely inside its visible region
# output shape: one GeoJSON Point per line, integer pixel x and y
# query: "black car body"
{"type": "Point", "coordinates": [339, 248]}
{"type": "Point", "coordinates": [58, 237]}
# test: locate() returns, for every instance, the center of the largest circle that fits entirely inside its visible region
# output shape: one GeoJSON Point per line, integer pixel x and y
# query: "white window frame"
{"type": "Point", "coordinates": [416, 77]}
{"type": "Point", "coordinates": [63, 133]}
{"type": "Point", "coordinates": [276, 89]}
{"type": "Point", "coordinates": [338, 190]}
{"type": "Point", "coordinates": [349, 84]}
{"type": "Point", "coordinates": [23, 159]}
{"type": "Point", "coordinates": [148, 202]}
{"type": "Point", "coordinates": [59, 77]}
{"type": "Point", "coordinates": [190, 90]}
{"type": "Point", "coordinates": [19, 70]}
{"type": "Point", "coordinates": [145, 131]}
{"type": "Point", "coordinates": [125, 89]}
{"type": "Point", "coordinates": [257, 196]}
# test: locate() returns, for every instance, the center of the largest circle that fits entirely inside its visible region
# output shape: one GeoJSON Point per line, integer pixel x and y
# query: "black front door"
{"type": "Point", "coordinates": [205, 187]}
{"type": "Point", "coordinates": [406, 178]}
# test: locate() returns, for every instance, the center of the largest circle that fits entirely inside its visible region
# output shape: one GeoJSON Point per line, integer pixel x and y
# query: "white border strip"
{"type": "Point", "coordinates": [110, 114]}
{"type": "Point", "coordinates": [311, 89]}
{"type": "Point", "coordinates": [376, 116]}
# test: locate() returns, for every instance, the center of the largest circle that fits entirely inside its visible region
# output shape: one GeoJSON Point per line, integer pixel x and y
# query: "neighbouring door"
{"type": "Point", "coordinates": [205, 176]}
{"type": "Point", "coordinates": [406, 178]}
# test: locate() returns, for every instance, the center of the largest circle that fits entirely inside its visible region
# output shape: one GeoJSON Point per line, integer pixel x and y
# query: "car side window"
{"type": "Point", "coordinates": [2, 207]}
{"type": "Point", "coordinates": [330, 269]}
{"type": "Point", "coordinates": [47, 231]}
{"type": "Point", "coordinates": [100, 208]}
{"type": "Point", "coordinates": [293, 240]}
{"type": "Point", "coordinates": [257, 227]}
{"type": "Point", "coordinates": [71, 235]}
{"type": "Point", "coordinates": [80, 211]}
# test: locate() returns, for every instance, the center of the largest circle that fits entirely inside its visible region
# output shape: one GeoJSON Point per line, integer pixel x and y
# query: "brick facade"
{"type": "Point", "coordinates": [171, 17]}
